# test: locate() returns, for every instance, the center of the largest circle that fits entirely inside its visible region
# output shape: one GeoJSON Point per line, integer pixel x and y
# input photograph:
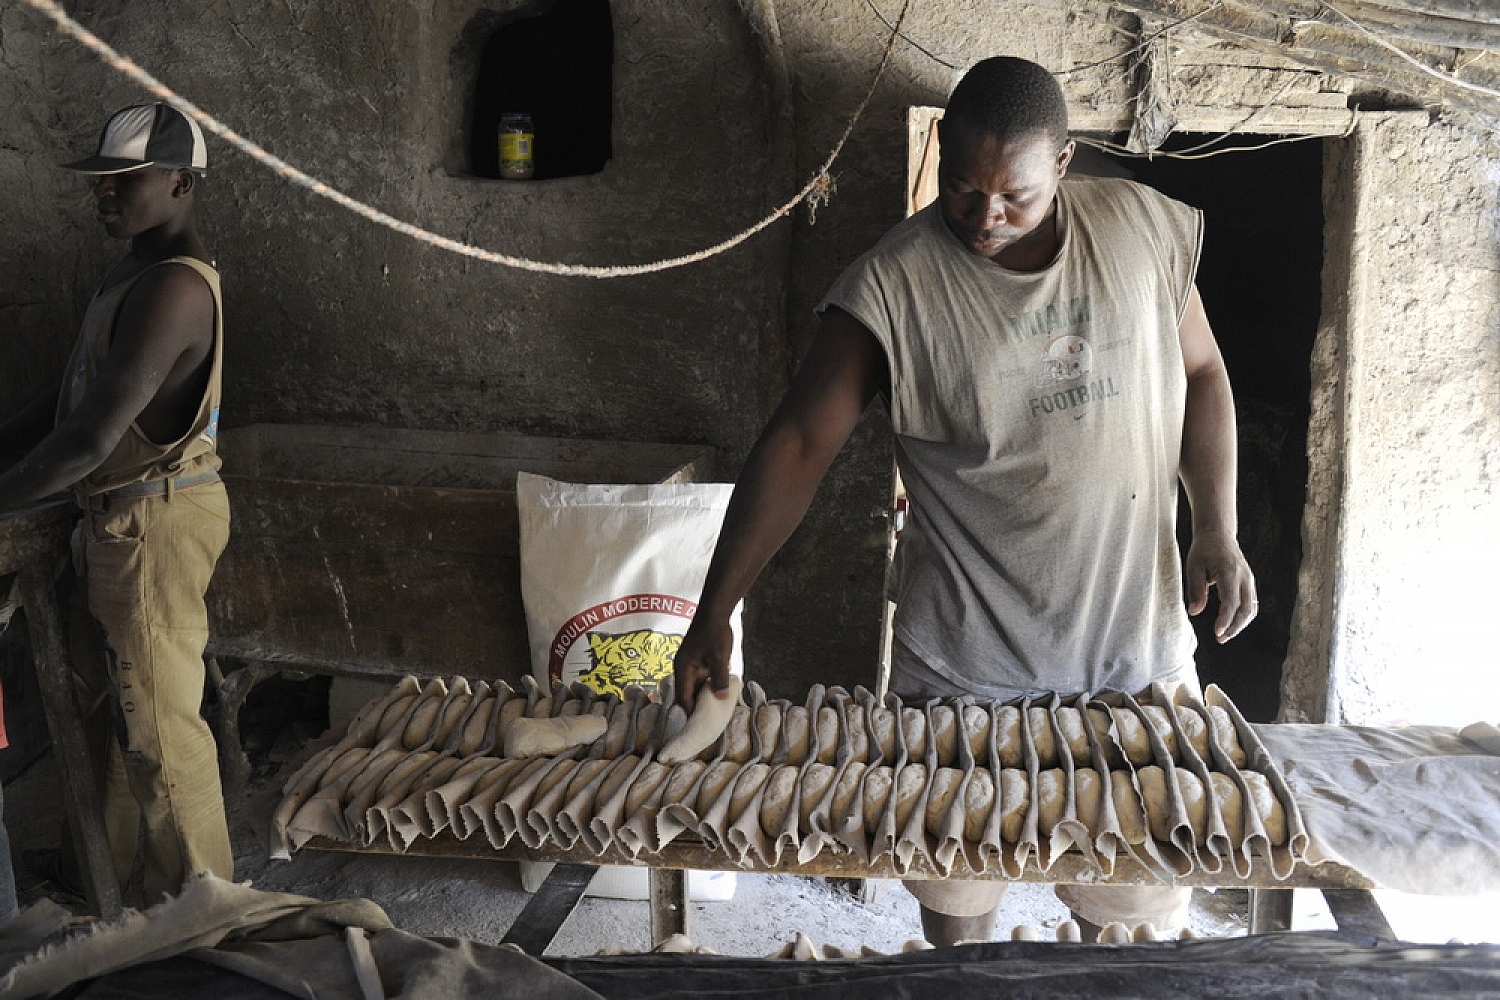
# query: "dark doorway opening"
{"type": "Point", "coordinates": [1261, 282]}
{"type": "Point", "coordinates": [557, 67]}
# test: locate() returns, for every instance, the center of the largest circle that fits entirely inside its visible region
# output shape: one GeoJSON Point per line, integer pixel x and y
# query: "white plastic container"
{"type": "Point", "coordinates": [632, 882]}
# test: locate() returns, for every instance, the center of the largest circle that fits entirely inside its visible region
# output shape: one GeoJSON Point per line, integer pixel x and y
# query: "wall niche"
{"type": "Point", "coordinates": [555, 62]}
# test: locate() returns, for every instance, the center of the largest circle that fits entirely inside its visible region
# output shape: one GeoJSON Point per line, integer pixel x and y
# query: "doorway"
{"type": "Point", "coordinates": [1261, 281]}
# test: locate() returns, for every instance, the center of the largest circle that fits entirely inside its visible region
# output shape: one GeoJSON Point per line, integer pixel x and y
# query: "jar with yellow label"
{"type": "Point", "coordinates": [515, 146]}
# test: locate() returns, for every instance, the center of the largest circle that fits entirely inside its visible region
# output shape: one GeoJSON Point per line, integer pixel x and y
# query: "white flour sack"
{"type": "Point", "coordinates": [611, 575]}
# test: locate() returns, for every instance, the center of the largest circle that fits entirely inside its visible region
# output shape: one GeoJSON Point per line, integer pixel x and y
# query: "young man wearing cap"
{"type": "Point", "coordinates": [133, 439]}
{"type": "Point", "coordinates": [1050, 376]}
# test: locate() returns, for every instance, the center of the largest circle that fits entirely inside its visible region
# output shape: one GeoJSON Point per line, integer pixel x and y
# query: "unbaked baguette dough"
{"type": "Point", "coordinates": [976, 723]}
{"type": "Point", "coordinates": [979, 803]}
{"type": "Point", "coordinates": [776, 800]}
{"type": "Point", "coordinates": [737, 744]}
{"type": "Point", "coordinates": [914, 732]}
{"type": "Point", "coordinates": [618, 775]}
{"type": "Point", "coordinates": [1042, 736]}
{"type": "Point", "coordinates": [883, 722]}
{"type": "Point", "coordinates": [1130, 732]}
{"type": "Point", "coordinates": [846, 792]}
{"type": "Point", "coordinates": [713, 713]}
{"type": "Point", "coordinates": [798, 728]}
{"type": "Point", "coordinates": [476, 728]}
{"type": "Point", "coordinates": [528, 737]}
{"type": "Point", "coordinates": [1128, 809]}
{"type": "Point", "coordinates": [1195, 729]}
{"type": "Point", "coordinates": [586, 771]}
{"type": "Point", "coordinates": [423, 718]}
{"type": "Point", "coordinates": [1088, 792]}
{"type": "Point", "coordinates": [647, 781]}
{"type": "Point", "coordinates": [768, 726]}
{"type": "Point", "coordinates": [365, 728]}
{"type": "Point", "coordinates": [1157, 716]}
{"type": "Point", "coordinates": [680, 782]}
{"type": "Point", "coordinates": [1015, 799]}
{"type": "Point", "coordinates": [1157, 801]}
{"type": "Point", "coordinates": [720, 777]}
{"type": "Point", "coordinates": [1008, 736]}
{"type": "Point", "coordinates": [944, 734]}
{"type": "Point", "coordinates": [645, 727]}
{"type": "Point", "coordinates": [877, 783]}
{"type": "Point", "coordinates": [1226, 735]}
{"type": "Point", "coordinates": [1194, 802]}
{"type": "Point", "coordinates": [1070, 724]}
{"type": "Point", "coordinates": [856, 733]}
{"type": "Point", "coordinates": [1051, 799]}
{"type": "Point", "coordinates": [392, 715]}
{"type": "Point", "coordinates": [455, 707]}
{"type": "Point", "coordinates": [1231, 806]}
{"type": "Point", "coordinates": [909, 785]}
{"type": "Point", "coordinates": [816, 780]}
{"type": "Point", "coordinates": [946, 782]}
{"type": "Point", "coordinates": [1484, 735]}
{"type": "Point", "coordinates": [1267, 806]}
{"type": "Point", "coordinates": [752, 777]}
{"type": "Point", "coordinates": [827, 725]}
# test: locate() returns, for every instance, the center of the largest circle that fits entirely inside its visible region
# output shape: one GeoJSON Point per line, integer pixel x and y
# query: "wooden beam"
{"type": "Point", "coordinates": [1071, 867]}
{"type": "Point", "coordinates": [1328, 47]}
{"type": "Point", "coordinates": [1483, 11]}
{"type": "Point", "coordinates": [1426, 29]}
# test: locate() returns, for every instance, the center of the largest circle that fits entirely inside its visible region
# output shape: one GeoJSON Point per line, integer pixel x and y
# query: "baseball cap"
{"type": "Point", "coordinates": [143, 135]}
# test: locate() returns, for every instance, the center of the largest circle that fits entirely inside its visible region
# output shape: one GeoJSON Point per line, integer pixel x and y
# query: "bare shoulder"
{"type": "Point", "coordinates": [173, 280]}
{"type": "Point", "coordinates": [173, 295]}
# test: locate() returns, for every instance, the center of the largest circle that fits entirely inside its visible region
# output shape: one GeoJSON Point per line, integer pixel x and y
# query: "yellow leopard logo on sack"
{"type": "Point", "coordinates": [642, 657]}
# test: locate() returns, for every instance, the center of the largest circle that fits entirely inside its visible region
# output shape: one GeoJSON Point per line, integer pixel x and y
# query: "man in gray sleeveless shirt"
{"type": "Point", "coordinates": [1051, 377]}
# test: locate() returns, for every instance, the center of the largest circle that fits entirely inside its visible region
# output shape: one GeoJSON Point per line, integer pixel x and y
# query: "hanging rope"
{"type": "Point", "coordinates": [816, 191]}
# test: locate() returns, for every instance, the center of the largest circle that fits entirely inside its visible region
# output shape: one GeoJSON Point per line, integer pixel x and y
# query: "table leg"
{"type": "Point", "coordinates": [232, 690]}
{"type": "Point", "coordinates": [554, 900]}
{"type": "Point", "coordinates": [669, 903]}
{"type": "Point", "coordinates": [1270, 910]}
{"type": "Point", "coordinates": [80, 787]}
{"type": "Point", "coordinates": [1355, 910]}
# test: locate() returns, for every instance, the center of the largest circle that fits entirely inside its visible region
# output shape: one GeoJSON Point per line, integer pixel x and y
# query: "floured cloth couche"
{"type": "Point", "coordinates": [949, 787]}
{"type": "Point", "coordinates": [1415, 809]}
{"type": "Point", "coordinates": [339, 950]}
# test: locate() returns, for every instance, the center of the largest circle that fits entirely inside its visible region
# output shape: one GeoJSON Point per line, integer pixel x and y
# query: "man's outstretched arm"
{"type": "Point", "coordinates": [843, 371]}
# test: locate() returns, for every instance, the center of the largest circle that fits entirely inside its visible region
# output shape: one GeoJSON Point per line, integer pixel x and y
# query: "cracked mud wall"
{"type": "Point", "coordinates": [335, 320]}
{"type": "Point", "coordinates": [1401, 536]}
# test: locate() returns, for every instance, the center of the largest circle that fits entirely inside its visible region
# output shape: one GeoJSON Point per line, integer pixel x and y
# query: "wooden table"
{"type": "Point", "coordinates": [30, 546]}
{"type": "Point", "coordinates": [1346, 890]}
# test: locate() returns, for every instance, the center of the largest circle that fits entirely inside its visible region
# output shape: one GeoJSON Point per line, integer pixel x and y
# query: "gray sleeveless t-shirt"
{"type": "Point", "coordinates": [1038, 421]}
